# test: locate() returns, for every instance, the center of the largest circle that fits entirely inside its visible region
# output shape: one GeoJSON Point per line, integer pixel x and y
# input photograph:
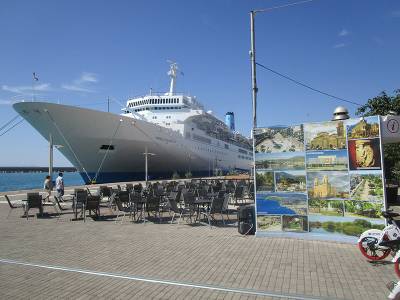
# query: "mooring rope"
{"type": "Point", "coordinates": [108, 150]}
{"type": "Point", "coordinates": [9, 122]}
{"type": "Point", "coordinates": [68, 144]}
{"type": "Point", "coordinates": [12, 127]}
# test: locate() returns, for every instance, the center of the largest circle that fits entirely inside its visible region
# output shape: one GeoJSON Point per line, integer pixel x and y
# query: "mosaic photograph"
{"type": "Point", "coordinates": [364, 154]}
{"type": "Point", "coordinates": [325, 136]}
{"type": "Point", "coordinates": [279, 139]}
{"type": "Point", "coordinates": [295, 223]}
{"type": "Point", "coordinates": [327, 160]}
{"type": "Point", "coordinates": [269, 223]}
{"type": "Point", "coordinates": [280, 161]}
{"type": "Point", "coordinates": [281, 203]}
{"type": "Point", "coordinates": [366, 186]}
{"type": "Point", "coordinates": [326, 207]}
{"type": "Point", "coordinates": [363, 209]}
{"type": "Point", "coordinates": [265, 181]}
{"type": "Point", "coordinates": [290, 181]}
{"type": "Point", "coordinates": [364, 128]}
{"type": "Point", "coordinates": [342, 225]}
{"type": "Point", "coordinates": [328, 185]}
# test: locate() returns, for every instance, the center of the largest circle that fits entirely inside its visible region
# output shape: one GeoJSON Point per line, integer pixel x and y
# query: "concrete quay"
{"type": "Point", "coordinates": [55, 258]}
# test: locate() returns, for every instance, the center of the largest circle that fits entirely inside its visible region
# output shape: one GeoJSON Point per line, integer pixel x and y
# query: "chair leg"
{"type": "Point", "coordinates": [9, 212]}
{"type": "Point", "coordinates": [116, 218]}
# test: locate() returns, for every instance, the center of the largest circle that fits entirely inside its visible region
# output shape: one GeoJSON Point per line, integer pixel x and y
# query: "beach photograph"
{"type": "Point", "coordinates": [327, 160]}
{"type": "Point", "coordinates": [269, 223]}
{"type": "Point", "coordinates": [325, 136]}
{"type": "Point", "coordinates": [265, 181]}
{"type": "Point", "coordinates": [364, 154]}
{"type": "Point", "coordinates": [281, 203]}
{"type": "Point", "coordinates": [328, 185]}
{"type": "Point", "coordinates": [281, 161]}
{"type": "Point", "coordinates": [363, 128]}
{"type": "Point", "coordinates": [290, 181]}
{"type": "Point", "coordinates": [279, 139]}
{"type": "Point", "coordinates": [366, 185]}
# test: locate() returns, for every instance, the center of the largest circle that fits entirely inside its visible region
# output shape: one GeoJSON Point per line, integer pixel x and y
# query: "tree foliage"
{"type": "Point", "coordinates": [382, 105]}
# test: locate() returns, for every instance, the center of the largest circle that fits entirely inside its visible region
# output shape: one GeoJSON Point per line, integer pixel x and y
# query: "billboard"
{"type": "Point", "coordinates": [324, 177]}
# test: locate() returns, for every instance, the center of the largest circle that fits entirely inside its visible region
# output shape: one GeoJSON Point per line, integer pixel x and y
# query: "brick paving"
{"type": "Point", "coordinates": [181, 253]}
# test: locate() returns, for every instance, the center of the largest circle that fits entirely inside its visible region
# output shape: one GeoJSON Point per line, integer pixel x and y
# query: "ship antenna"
{"type": "Point", "coordinates": [172, 74]}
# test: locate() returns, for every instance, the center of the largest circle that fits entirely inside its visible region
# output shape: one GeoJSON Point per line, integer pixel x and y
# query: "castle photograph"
{"type": "Point", "coordinates": [325, 136]}
{"type": "Point", "coordinates": [328, 185]}
{"type": "Point", "coordinates": [364, 129]}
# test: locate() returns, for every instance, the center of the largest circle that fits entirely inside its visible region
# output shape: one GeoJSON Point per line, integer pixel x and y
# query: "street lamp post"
{"type": "Point", "coordinates": [146, 154]}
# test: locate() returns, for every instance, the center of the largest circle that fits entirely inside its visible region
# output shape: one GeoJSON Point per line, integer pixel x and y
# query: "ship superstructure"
{"type": "Point", "coordinates": [180, 135]}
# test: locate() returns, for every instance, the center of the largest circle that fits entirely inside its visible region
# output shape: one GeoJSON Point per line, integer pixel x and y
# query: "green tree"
{"type": "Point", "coordinates": [381, 105]}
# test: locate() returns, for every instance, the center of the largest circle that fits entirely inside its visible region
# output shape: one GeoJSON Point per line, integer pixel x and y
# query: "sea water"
{"type": "Point", "coordinates": [34, 180]}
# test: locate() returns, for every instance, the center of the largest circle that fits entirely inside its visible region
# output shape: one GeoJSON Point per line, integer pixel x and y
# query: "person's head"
{"type": "Point", "coordinates": [60, 174]}
{"type": "Point", "coordinates": [48, 177]}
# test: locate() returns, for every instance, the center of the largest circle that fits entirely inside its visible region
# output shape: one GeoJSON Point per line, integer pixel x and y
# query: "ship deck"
{"type": "Point", "coordinates": [58, 258]}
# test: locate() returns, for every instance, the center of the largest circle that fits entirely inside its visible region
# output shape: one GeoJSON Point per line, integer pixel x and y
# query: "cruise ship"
{"type": "Point", "coordinates": [172, 131]}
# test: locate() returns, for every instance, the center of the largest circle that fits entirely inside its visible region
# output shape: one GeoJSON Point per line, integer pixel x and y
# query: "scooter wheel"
{"type": "Point", "coordinates": [372, 252]}
{"type": "Point", "coordinates": [397, 267]}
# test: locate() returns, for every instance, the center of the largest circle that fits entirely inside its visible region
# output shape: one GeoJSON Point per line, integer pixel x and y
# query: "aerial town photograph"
{"type": "Point", "coordinates": [231, 149]}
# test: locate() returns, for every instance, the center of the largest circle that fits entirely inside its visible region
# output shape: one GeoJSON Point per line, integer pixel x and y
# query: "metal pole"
{"type": "Point", "coordinates": [145, 164]}
{"type": "Point", "coordinates": [51, 155]}
{"type": "Point", "coordinates": [253, 68]}
{"type": "Point", "coordinates": [108, 104]}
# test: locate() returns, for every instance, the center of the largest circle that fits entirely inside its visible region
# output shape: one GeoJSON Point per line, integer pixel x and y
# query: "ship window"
{"type": "Point", "coordinates": [107, 147]}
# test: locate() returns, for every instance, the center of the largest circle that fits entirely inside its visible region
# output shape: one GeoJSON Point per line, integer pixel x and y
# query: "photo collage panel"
{"type": "Point", "coordinates": [321, 177]}
{"type": "Point", "coordinates": [281, 182]}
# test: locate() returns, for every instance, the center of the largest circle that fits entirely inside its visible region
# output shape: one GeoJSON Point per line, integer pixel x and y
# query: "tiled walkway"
{"type": "Point", "coordinates": [174, 254]}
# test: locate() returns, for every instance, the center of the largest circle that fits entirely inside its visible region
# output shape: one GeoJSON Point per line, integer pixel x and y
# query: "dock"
{"type": "Point", "coordinates": [54, 257]}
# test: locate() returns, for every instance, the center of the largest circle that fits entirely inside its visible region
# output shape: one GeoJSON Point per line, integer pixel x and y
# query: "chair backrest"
{"type": "Point", "coordinates": [188, 198]}
{"type": "Point", "coordinates": [239, 191]}
{"type": "Point", "coordinates": [135, 197]}
{"type": "Point", "coordinates": [217, 205]}
{"type": "Point", "coordinates": [225, 202]}
{"type": "Point", "coordinates": [34, 200]}
{"type": "Point", "coordinates": [173, 205]}
{"type": "Point", "coordinates": [105, 191]}
{"type": "Point", "coordinates": [123, 196]}
{"type": "Point", "coordinates": [93, 202]}
{"type": "Point", "coordinates": [81, 196]}
{"type": "Point", "coordinates": [119, 204]}
{"type": "Point", "coordinates": [9, 202]}
{"type": "Point", "coordinates": [129, 187]}
{"type": "Point", "coordinates": [138, 188]}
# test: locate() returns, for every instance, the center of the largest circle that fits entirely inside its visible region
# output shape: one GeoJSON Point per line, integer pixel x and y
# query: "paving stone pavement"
{"type": "Point", "coordinates": [181, 253]}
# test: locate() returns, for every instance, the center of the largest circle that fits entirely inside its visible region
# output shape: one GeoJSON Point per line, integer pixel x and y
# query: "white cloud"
{"type": "Point", "coordinates": [341, 45]}
{"type": "Point", "coordinates": [88, 77]}
{"type": "Point", "coordinates": [76, 88]}
{"type": "Point", "coordinates": [344, 32]}
{"type": "Point", "coordinates": [6, 102]}
{"type": "Point", "coordinates": [396, 14]}
{"type": "Point", "coordinates": [81, 84]}
{"type": "Point", "coordinates": [25, 89]}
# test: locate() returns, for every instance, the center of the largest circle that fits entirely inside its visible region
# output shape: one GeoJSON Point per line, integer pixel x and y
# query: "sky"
{"type": "Point", "coordinates": [85, 51]}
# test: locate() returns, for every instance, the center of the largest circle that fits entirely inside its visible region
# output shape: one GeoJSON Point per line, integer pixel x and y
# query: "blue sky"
{"type": "Point", "coordinates": [85, 51]}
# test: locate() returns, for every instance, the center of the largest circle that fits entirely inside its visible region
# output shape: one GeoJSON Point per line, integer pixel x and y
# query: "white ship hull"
{"type": "Point", "coordinates": [80, 133]}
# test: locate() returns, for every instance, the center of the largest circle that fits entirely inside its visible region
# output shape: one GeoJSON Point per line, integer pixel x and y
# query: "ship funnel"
{"type": "Point", "coordinates": [230, 120]}
{"type": "Point", "coordinates": [340, 113]}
